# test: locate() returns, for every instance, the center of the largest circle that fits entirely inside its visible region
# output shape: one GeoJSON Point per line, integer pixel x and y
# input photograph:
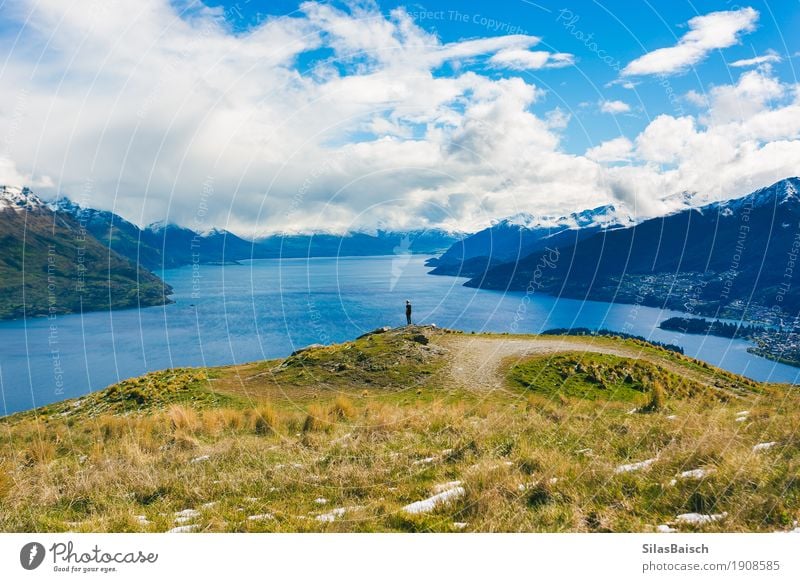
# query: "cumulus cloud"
{"type": "Point", "coordinates": [748, 137]}
{"type": "Point", "coordinates": [9, 175]}
{"type": "Point", "coordinates": [614, 107]}
{"type": "Point", "coordinates": [712, 31]}
{"type": "Point", "coordinates": [618, 149]}
{"type": "Point", "coordinates": [151, 106]}
{"type": "Point", "coordinates": [339, 118]}
{"type": "Point", "coordinates": [557, 118]}
{"type": "Point", "coordinates": [754, 93]}
{"type": "Point", "coordinates": [696, 98]}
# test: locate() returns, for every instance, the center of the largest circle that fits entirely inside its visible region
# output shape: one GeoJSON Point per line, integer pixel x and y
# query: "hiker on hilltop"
{"type": "Point", "coordinates": [408, 312]}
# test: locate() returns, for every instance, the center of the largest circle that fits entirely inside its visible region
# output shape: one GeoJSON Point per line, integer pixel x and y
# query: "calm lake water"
{"type": "Point", "coordinates": [268, 308]}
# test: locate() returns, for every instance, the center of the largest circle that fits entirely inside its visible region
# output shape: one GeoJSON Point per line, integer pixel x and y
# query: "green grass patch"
{"type": "Point", "coordinates": [605, 377]}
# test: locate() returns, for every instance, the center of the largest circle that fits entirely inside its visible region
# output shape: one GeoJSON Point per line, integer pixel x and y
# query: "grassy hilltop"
{"type": "Point", "coordinates": [415, 429]}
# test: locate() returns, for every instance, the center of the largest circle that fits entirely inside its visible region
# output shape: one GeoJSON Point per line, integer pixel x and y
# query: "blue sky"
{"type": "Point", "coordinates": [273, 115]}
{"type": "Point", "coordinates": [621, 28]}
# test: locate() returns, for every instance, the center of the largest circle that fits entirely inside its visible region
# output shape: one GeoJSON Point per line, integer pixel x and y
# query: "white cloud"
{"type": "Point", "coordinates": [712, 31]}
{"type": "Point", "coordinates": [9, 175]}
{"type": "Point", "coordinates": [665, 139]}
{"type": "Point", "coordinates": [748, 138]}
{"type": "Point", "coordinates": [520, 59]}
{"type": "Point", "coordinates": [614, 107]}
{"type": "Point", "coordinates": [150, 108]}
{"type": "Point", "coordinates": [619, 149]}
{"type": "Point", "coordinates": [339, 118]}
{"type": "Point", "coordinates": [557, 118]}
{"type": "Point", "coordinates": [752, 94]}
{"type": "Point", "coordinates": [768, 57]}
{"type": "Point", "coordinates": [696, 98]}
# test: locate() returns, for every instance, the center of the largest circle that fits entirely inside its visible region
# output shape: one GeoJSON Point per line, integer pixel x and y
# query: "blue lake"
{"type": "Point", "coordinates": [268, 308]}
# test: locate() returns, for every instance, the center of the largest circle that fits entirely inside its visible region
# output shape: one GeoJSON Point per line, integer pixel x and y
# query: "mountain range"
{"type": "Point", "coordinates": [50, 264]}
{"type": "Point", "coordinates": [163, 245]}
{"type": "Point", "coordinates": [736, 258]}
{"type": "Point", "coordinates": [513, 238]}
{"type": "Point", "coordinates": [99, 260]}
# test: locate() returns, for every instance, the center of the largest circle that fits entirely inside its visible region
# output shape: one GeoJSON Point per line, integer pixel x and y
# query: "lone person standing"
{"type": "Point", "coordinates": [408, 312]}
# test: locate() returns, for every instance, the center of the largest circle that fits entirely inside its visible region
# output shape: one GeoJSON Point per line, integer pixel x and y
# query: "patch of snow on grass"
{"type": "Point", "coordinates": [186, 515]}
{"type": "Point", "coordinates": [183, 519]}
{"type": "Point", "coordinates": [441, 487]}
{"type": "Point", "coordinates": [431, 503]}
{"type": "Point", "coordinates": [332, 514]}
{"type": "Point", "coordinates": [764, 446]}
{"type": "Point", "coordinates": [260, 517]}
{"type": "Point", "coordinates": [424, 461]}
{"type": "Point", "coordinates": [635, 466]}
{"type": "Point", "coordinates": [183, 529]}
{"type": "Point", "coordinates": [700, 518]}
{"type": "Point", "coordinates": [696, 473]}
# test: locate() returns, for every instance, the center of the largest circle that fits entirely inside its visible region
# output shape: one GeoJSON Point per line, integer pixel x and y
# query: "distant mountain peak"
{"type": "Point", "coordinates": [213, 231]}
{"type": "Point", "coordinates": [160, 226]}
{"type": "Point", "coordinates": [64, 204]}
{"type": "Point", "coordinates": [788, 189]}
{"type": "Point", "coordinates": [782, 192]}
{"type": "Point", "coordinates": [601, 216]}
{"type": "Point", "coordinates": [681, 200]}
{"type": "Point", "coordinates": [18, 198]}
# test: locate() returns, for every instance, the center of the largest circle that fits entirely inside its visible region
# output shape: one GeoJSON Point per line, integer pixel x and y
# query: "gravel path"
{"type": "Point", "coordinates": [476, 361]}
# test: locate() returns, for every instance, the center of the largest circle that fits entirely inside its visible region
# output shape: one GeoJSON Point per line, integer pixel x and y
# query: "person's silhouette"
{"type": "Point", "coordinates": [408, 312]}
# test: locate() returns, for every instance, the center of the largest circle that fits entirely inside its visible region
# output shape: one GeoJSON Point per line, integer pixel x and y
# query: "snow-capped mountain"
{"type": "Point", "coordinates": [65, 205]}
{"type": "Point", "coordinates": [732, 255]}
{"type": "Point", "coordinates": [51, 263]}
{"type": "Point", "coordinates": [159, 245]}
{"type": "Point", "coordinates": [680, 201]}
{"type": "Point", "coordinates": [783, 193]}
{"type": "Point", "coordinates": [522, 234]}
{"type": "Point", "coordinates": [19, 199]}
{"type": "Point", "coordinates": [602, 216]}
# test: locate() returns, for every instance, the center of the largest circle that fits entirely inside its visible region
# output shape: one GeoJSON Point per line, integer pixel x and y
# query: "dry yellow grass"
{"type": "Point", "coordinates": [533, 458]}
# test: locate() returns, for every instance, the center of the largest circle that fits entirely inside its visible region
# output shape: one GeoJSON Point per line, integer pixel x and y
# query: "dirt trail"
{"type": "Point", "coordinates": [476, 360]}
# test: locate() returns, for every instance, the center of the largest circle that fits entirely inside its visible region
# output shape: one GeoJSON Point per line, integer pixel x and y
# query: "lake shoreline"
{"type": "Point", "coordinates": [225, 315]}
